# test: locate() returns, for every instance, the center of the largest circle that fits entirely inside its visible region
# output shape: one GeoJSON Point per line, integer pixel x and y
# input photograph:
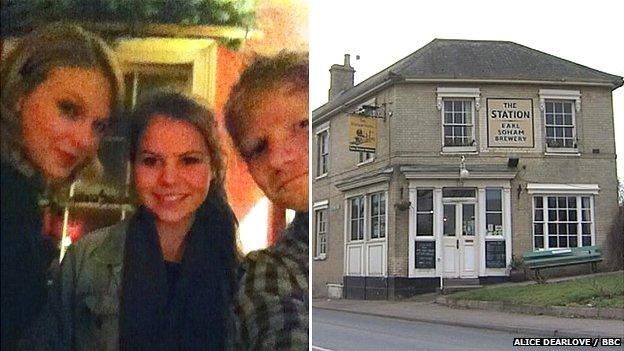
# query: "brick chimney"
{"type": "Point", "coordinates": [341, 77]}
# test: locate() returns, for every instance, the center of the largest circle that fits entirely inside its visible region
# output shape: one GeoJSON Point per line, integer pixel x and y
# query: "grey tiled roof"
{"type": "Point", "coordinates": [478, 60]}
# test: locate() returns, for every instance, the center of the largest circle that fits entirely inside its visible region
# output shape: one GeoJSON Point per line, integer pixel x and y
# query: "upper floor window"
{"type": "Point", "coordinates": [560, 132]}
{"type": "Point", "coordinates": [458, 123]}
{"type": "Point", "coordinates": [559, 108]}
{"type": "Point", "coordinates": [458, 107]}
{"type": "Point", "coordinates": [364, 157]}
{"type": "Point", "coordinates": [322, 143]}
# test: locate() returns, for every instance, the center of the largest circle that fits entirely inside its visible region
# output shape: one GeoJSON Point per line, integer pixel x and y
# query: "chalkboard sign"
{"type": "Point", "coordinates": [425, 254]}
{"type": "Point", "coordinates": [495, 254]}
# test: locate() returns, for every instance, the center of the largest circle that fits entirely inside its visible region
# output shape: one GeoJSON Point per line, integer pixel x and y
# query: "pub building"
{"type": "Point", "coordinates": [454, 160]}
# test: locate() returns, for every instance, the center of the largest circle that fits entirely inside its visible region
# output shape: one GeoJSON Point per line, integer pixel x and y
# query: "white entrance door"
{"type": "Point", "coordinates": [459, 244]}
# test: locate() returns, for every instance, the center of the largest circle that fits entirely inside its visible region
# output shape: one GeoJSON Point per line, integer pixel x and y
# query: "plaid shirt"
{"type": "Point", "coordinates": [271, 307]}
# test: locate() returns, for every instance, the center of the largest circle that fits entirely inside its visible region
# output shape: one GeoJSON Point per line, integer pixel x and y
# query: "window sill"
{"type": "Point", "coordinates": [561, 152]}
{"type": "Point", "coordinates": [458, 149]}
{"type": "Point", "coordinates": [324, 175]}
{"type": "Point", "coordinates": [357, 241]}
{"type": "Point", "coordinates": [321, 257]}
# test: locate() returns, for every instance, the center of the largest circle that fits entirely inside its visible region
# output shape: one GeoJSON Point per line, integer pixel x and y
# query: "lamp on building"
{"type": "Point", "coordinates": [463, 172]}
{"type": "Point", "coordinates": [374, 111]}
{"type": "Point", "coordinates": [512, 162]}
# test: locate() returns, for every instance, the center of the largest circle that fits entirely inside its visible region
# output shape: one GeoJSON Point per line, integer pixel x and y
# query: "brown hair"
{"type": "Point", "coordinates": [182, 108]}
{"type": "Point", "coordinates": [262, 76]}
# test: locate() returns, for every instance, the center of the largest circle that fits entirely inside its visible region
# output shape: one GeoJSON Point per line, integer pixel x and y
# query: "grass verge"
{"type": "Point", "coordinates": [603, 291]}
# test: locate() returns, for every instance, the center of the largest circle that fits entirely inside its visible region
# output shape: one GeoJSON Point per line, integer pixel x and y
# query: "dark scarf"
{"type": "Point", "coordinates": [195, 317]}
{"type": "Point", "coordinates": [24, 254]}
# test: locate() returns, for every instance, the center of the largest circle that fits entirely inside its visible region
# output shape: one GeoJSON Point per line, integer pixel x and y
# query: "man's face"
{"type": "Point", "coordinates": [274, 142]}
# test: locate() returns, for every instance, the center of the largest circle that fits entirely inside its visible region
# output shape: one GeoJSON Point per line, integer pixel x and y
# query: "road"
{"type": "Point", "coordinates": [344, 331]}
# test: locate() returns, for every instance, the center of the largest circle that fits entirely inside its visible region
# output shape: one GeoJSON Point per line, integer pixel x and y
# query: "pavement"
{"type": "Point", "coordinates": [423, 308]}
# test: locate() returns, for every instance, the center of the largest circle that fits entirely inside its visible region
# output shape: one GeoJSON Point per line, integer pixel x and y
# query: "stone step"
{"type": "Point", "coordinates": [460, 282]}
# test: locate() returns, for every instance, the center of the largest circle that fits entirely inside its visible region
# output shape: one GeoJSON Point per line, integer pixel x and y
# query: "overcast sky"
{"type": "Point", "coordinates": [382, 32]}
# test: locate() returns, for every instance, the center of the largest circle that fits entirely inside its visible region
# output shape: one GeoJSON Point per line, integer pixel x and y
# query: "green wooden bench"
{"type": "Point", "coordinates": [537, 260]}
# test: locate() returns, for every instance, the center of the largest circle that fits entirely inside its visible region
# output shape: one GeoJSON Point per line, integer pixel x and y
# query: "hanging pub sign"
{"type": "Point", "coordinates": [510, 122]}
{"type": "Point", "coordinates": [362, 133]}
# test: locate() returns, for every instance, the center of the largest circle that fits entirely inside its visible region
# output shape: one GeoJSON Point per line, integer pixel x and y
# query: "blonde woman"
{"type": "Point", "coordinates": [59, 87]}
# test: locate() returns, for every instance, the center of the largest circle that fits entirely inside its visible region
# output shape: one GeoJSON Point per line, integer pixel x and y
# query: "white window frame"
{"type": "Point", "coordinates": [367, 204]}
{"type": "Point", "coordinates": [473, 95]}
{"type": "Point", "coordinates": [432, 213]}
{"type": "Point", "coordinates": [365, 157]}
{"type": "Point", "coordinates": [577, 190]}
{"type": "Point", "coordinates": [364, 248]}
{"type": "Point", "coordinates": [503, 234]}
{"type": "Point", "coordinates": [361, 220]}
{"type": "Point", "coordinates": [557, 96]}
{"type": "Point", "coordinates": [320, 160]}
{"type": "Point", "coordinates": [200, 53]}
{"type": "Point", "coordinates": [562, 127]}
{"type": "Point", "coordinates": [382, 216]}
{"type": "Point", "coordinates": [578, 221]}
{"type": "Point", "coordinates": [468, 125]}
{"type": "Point", "coordinates": [318, 207]}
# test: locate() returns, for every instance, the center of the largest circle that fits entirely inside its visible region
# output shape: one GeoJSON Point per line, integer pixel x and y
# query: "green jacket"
{"type": "Point", "coordinates": [86, 295]}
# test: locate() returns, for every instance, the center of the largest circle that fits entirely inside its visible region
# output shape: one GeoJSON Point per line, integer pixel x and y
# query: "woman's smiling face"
{"type": "Point", "coordinates": [63, 119]}
{"type": "Point", "coordinates": [172, 169]}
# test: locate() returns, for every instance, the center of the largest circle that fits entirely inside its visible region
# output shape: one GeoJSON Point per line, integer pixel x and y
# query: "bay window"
{"type": "Point", "coordinates": [356, 210]}
{"type": "Point", "coordinates": [367, 216]}
{"type": "Point", "coordinates": [562, 221]}
{"type": "Point", "coordinates": [378, 215]}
